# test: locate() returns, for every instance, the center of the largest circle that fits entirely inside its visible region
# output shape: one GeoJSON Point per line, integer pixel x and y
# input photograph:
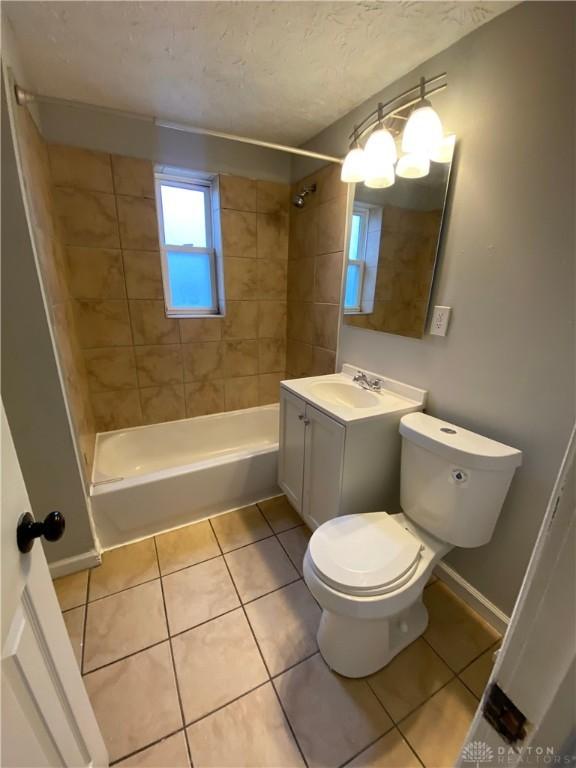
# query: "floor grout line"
{"type": "Point", "coordinates": [148, 746]}
{"type": "Point", "coordinates": [176, 681]}
{"type": "Point", "coordinates": [83, 650]}
{"type": "Point", "coordinates": [265, 664]}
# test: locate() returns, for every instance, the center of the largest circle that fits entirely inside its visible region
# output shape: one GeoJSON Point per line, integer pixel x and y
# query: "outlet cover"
{"type": "Point", "coordinates": [440, 320]}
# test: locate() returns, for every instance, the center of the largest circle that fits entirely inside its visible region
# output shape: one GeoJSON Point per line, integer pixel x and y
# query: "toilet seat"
{"type": "Point", "coordinates": [365, 554]}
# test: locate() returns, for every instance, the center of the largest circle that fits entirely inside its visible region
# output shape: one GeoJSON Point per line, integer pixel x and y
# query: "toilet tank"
{"type": "Point", "coordinates": [453, 482]}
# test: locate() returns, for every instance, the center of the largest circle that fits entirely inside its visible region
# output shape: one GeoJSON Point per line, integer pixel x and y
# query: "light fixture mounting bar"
{"type": "Point", "coordinates": [391, 108]}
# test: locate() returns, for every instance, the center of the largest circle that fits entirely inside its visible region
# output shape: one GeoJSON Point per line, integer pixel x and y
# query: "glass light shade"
{"type": "Point", "coordinates": [445, 151]}
{"type": "Point", "coordinates": [413, 166]}
{"type": "Point", "coordinates": [380, 148]}
{"type": "Point", "coordinates": [423, 132]}
{"type": "Point", "coordinates": [379, 175]}
{"type": "Point", "coordinates": [354, 167]}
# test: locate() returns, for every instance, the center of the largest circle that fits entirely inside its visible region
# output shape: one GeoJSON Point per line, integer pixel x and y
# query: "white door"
{"type": "Point", "coordinates": [324, 455]}
{"type": "Point", "coordinates": [47, 719]}
{"type": "Point", "coordinates": [291, 454]}
{"type": "Point", "coordinates": [534, 676]}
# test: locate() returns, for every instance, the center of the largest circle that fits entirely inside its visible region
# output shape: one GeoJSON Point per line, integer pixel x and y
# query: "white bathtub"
{"type": "Point", "coordinates": [149, 479]}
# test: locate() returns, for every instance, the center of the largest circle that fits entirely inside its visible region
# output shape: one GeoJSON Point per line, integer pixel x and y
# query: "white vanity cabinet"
{"type": "Point", "coordinates": [334, 461]}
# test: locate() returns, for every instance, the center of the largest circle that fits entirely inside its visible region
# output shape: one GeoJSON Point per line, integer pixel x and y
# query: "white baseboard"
{"type": "Point", "coordinates": [73, 564]}
{"type": "Point", "coordinates": [470, 595]}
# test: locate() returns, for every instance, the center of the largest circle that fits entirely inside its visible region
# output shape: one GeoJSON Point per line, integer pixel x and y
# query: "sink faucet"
{"type": "Point", "coordinates": [374, 385]}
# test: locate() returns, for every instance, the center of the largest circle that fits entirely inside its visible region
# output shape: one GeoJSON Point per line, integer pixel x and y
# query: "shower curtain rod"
{"type": "Point", "coordinates": [26, 97]}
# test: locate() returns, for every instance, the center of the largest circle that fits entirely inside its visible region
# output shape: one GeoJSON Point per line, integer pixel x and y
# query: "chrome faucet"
{"type": "Point", "coordinates": [374, 385]}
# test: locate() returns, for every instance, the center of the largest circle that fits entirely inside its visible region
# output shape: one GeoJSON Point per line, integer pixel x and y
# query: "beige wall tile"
{"type": "Point", "coordinates": [271, 355]}
{"type": "Point", "coordinates": [272, 236]}
{"type": "Point", "coordinates": [328, 278]}
{"type": "Point", "coordinates": [159, 364]}
{"type": "Point", "coordinates": [272, 319]}
{"type": "Point", "coordinates": [95, 273]}
{"type": "Point", "coordinates": [329, 184]}
{"type": "Point", "coordinates": [269, 387]}
{"type": "Point", "coordinates": [238, 234]}
{"type": "Point", "coordinates": [102, 323]}
{"type": "Point", "coordinates": [119, 409]}
{"type": "Point", "coordinates": [150, 324]}
{"type": "Point", "coordinates": [88, 218]}
{"type": "Point", "coordinates": [110, 368]}
{"type": "Point", "coordinates": [240, 393]}
{"type": "Point", "coordinates": [143, 274]}
{"type": "Point", "coordinates": [240, 279]}
{"type": "Point", "coordinates": [323, 361]}
{"type": "Point", "coordinates": [331, 226]}
{"type": "Point", "coordinates": [203, 360]}
{"type": "Point", "coordinates": [165, 403]}
{"type": "Point", "coordinates": [240, 358]}
{"type": "Point", "coordinates": [241, 320]}
{"type": "Point", "coordinates": [237, 192]}
{"type": "Point", "coordinates": [133, 176]}
{"type": "Point", "coordinates": [325, 318]}
{"type": "Point", "coordinates": [200, 329]}
{"type": "Point", "coordinates": [272, 197]}
{"type": "Point", "coordinates": [137, 223]}
{"type": "Point", "coordinates": [303, 232]}
{"type": "Point", "coordinates": [300, 283]}
{"type": "Point", "coordinates": [272, 279]}
{"type": "Point", "coordinates": [300, 323]}
{"type": "Point", "coordinates": [204, 397]}
{"type": "Point", "coordinates": [299, 358]}
{"type": "Point", "coordinates": [80, 168]}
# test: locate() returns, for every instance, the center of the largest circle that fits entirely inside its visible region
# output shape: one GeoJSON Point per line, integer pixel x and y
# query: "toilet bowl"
{"type": "Point", "coordinates": [368, 571]}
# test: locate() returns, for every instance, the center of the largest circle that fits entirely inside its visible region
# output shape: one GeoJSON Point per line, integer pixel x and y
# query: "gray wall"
{"type": "Point", "coordinates": [32, 391]}
{"type": "Point", "coordinates": [125, 135]}
{"type": "Point", "coordinates": [506, 368]}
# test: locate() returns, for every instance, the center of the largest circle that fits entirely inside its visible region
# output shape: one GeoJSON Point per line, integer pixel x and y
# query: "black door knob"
{"type": "Point", "coordinates": [52, 529]}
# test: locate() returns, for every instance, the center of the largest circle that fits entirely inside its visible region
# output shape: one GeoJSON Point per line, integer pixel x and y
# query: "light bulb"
{"type": "Point", "coordinates": [354, 167]}
{"type": "Point", "coordinates": [445, 151]}
{"type": "Point", "coordinates": [423, 132]}
{"type": "Point", "coordinates": [379, 176]}
{"type": "Point", "coordinates": [380, 148]}
{"type": "Point", "coordinates": [413, 166]}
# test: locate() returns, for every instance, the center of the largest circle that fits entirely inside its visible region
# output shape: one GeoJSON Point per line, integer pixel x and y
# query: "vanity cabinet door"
{"type": "Point", "coordinates": [324, 456]}
{"type": "Point", "coordinates": [291, 454]}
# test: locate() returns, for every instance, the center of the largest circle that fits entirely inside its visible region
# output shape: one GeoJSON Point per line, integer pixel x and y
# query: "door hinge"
{"type": "Point", "coordinates": [504, 716]}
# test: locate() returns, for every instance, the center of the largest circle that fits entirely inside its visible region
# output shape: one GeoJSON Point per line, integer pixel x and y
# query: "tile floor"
{"type": "Point", "coordinates": [198, 647]}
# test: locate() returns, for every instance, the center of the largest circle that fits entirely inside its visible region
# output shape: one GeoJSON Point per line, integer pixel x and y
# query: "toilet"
{"type": "Point", "coordinates": [368, 571]}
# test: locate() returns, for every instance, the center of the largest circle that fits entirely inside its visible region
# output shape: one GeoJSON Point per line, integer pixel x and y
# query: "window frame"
{"type": "Point", "coordinates": [364, 212]}
{"type": "Point", "coordinates": [195, 183]}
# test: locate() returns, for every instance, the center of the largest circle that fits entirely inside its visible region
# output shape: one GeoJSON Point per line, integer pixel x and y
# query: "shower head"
{"type": "Point", "coordinates": [298, 201]}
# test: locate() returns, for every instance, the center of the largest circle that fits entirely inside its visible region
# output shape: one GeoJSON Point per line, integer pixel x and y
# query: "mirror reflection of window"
{"type": "Point", "coordinates": [393, 242]}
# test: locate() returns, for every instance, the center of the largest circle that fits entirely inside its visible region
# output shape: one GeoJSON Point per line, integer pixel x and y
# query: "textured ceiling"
{"type": "Point", "coordinates": [280, 71]}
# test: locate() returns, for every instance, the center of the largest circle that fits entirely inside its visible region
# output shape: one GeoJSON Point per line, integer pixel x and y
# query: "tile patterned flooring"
{"type": "Point", "coordinates": [198, 647]}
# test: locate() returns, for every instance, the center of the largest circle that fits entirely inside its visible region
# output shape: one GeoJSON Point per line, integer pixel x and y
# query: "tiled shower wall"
{"type": "Point", "coordinates": [143, 367]}
{"type": "Point", "coordinates": [315, 266]}
{"type": "Point", "coordinates": [55, 280]}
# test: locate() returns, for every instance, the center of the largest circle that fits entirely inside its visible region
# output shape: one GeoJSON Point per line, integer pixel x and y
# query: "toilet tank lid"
{"type": "Point", "coordinates": [458, 445]}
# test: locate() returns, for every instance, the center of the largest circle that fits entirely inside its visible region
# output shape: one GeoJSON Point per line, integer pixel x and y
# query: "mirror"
{"type": "Point", "coordinates": [393, 243]}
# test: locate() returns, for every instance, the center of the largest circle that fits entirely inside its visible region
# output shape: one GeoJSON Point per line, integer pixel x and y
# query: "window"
{"type": "Point", "coordinates": [356, 259]}
{"type": "Point", "coordinates": [186, 245]}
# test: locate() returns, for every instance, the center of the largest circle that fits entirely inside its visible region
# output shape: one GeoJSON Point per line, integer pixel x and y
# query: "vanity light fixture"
{"type": "Point", "coordinates": [422, 139]}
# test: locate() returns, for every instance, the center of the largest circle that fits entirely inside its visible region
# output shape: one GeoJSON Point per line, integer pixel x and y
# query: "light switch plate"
{"type": "Point", "coordinates": [440, 320]}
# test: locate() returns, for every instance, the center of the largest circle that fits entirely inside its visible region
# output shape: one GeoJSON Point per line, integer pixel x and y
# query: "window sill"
{"type": "Point", "coordinates": [207, 316]}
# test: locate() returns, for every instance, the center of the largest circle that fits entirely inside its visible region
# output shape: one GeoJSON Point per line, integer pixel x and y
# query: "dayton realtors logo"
{"type": "Point", "coordinates": [481, 755]}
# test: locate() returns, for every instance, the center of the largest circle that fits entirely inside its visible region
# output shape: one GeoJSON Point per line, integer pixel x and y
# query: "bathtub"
{"type": "Point", "coordinates": [150, 479]}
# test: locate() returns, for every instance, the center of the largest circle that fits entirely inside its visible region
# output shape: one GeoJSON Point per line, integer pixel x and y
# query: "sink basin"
{"type": "Point", "coordinates": [348, 395]}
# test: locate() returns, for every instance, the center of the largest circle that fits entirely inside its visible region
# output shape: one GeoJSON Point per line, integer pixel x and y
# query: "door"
{"type": "Point", "coordinates": [291, 454]}
{"type": "Point", "coordinates": [324, 456]}
{"type": "Point", "coordinates": [536, 668]}
{"type": "Point", "coordinates": [47, 719]}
